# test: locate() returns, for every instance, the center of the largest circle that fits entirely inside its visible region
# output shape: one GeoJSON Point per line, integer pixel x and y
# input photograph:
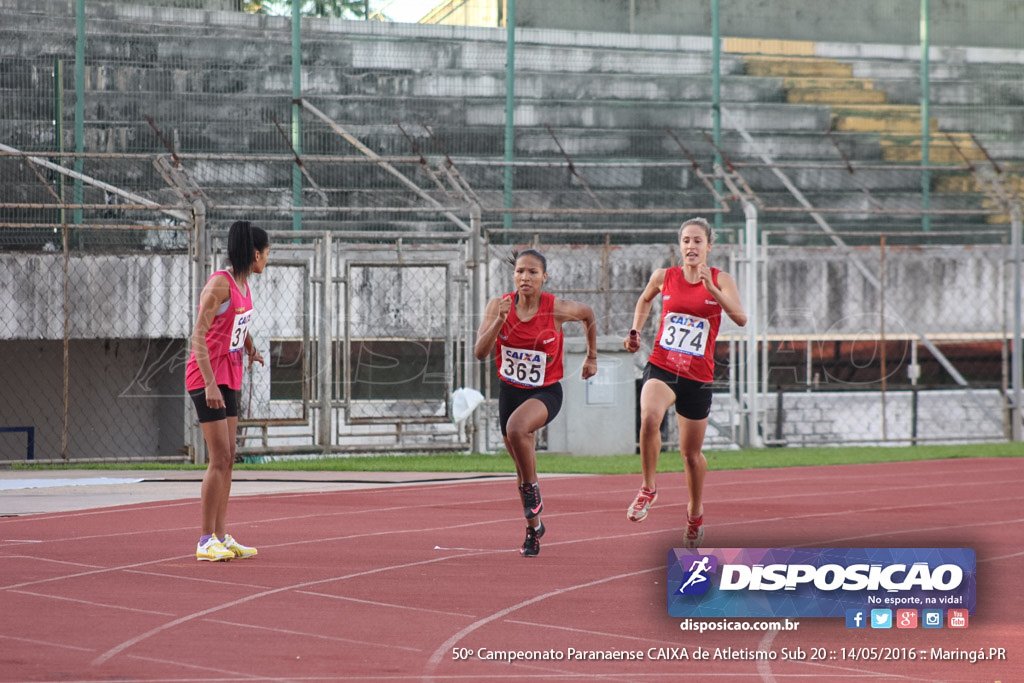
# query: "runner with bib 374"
{"type": "Point", "coordinates": [681, 366]}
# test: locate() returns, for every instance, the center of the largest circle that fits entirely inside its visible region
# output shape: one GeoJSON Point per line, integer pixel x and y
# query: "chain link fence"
{"type": "Point", "coordinates": [93, 318]}
{"type": "Point", "coordinates": [394, 181]}
{"type": "Point", "coordinates": [878, 344]}
{"type": "Point", "coordinates": [866, 340]}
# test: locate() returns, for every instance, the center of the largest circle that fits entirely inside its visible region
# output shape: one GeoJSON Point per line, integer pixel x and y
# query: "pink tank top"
{"type": "Point", "coordinates": [225, 339]}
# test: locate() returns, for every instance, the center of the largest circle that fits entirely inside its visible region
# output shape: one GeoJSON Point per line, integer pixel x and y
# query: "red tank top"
{"type": "Point", "coordinates": [690, 318]}
{"type": "Point", "coordinates": [529, 354]}
{"type": "Point", "coordinates": [225, 340]}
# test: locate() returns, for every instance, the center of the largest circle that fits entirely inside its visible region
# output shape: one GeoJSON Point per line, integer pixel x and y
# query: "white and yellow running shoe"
{"type": "Point", "coordinates": [237, 549]}
{"type": "Point", "coordinates": [213, 551]}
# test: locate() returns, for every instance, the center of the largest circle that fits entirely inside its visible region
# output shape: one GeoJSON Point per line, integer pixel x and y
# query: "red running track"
{"type": "Point", "coordinates": [387, 584]}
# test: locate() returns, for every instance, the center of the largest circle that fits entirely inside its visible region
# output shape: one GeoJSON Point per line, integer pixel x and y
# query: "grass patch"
{"type": "Point", "coordinates": [605, 464]}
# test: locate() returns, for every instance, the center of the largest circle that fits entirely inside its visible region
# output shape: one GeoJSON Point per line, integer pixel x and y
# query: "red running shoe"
{"type": "Point", "coordinates": [694, 531]}
{"type": "Point", "coordinates": [637, 512]}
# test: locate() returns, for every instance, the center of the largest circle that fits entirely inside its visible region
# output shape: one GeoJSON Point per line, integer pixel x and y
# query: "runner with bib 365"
{"type": "Point", "coordinates": [524, 328]}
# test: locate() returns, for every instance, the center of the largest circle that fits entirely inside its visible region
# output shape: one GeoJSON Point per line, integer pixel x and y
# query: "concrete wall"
{"type": "Point", "coordinates": [129, 345]}
{"type": "Point", "coordinates": [841, 418]}
{"type": "Point", "coordinates": [979, 23]}
{"type": "Point", "coordinates": [598, 415]}
{"type": "Point", "coordinates": [219, 5]}
{"type": "Point", "coordinates": [126, 398]}
{"type": "Point", "coordinates": [110, 296]}
{"type": "Point", "coordinates": [825, 418]}
{"type": "Point", "coordinates": [810, 290]}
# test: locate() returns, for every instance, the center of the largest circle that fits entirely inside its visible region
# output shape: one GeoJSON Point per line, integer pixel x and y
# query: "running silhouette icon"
{"type": "Point", "coordinates": [697, 581]}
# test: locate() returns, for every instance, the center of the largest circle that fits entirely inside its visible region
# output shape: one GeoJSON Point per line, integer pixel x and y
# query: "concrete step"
{"type": "Point", "coordinates": [879, 119]}
{"type": "Point", "coordinates": [828, 83]}
{"type": "Point", "coordinates": [808, 67]}
{"type": "Point", "coordinates": [487, 141]}
{"type": "Point", "coordinates": [835, 96]}
{"type": "Point", "coordinates": [754, 117]}
{"type": "Point", "coordinates": [778, 205]}
{"type": "Point", "coordinates": [965, 182]}
{"type": "Point", "coordinates": [956, 92]}
{"type": "Point", "coordinates": [187, 45]}
{"type": "Point", "coordinates": [910, 70]}
{"type": "Point", "coordinates": [942, 149]}
{"type": "Point", "coordinates": [1004, 120]}
{"type": "Point", "coordinates": [644, 185]}
{"type": "Point", "coordinates": [116, 107]}
{"type": "Point", "coordinates": [999, 219]}
{"type": "Point", "coordinates": [155, 80]}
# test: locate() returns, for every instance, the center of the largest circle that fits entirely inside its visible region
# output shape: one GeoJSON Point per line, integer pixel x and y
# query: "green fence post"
{"type": "Point", "coordinates": [716, 103]}
{"type": "Point", "coordinates": [510, 79]}
{"type": "Point", "coordinates": [79, 103]}
{"type": "Point", "coordinates": [926, 181]}
{"type": "Point", "coordinates": [296, 113]}
{"type": "Point", "coordinates": [58, 127]}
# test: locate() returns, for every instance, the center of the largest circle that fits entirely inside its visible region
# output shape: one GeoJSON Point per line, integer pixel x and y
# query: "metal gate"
{"type": "Point", "coordinates": [364, 344]}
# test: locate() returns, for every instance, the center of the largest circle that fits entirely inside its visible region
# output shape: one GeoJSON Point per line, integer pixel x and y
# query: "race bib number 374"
{"type": "Point", "coordinates": [684, 333]}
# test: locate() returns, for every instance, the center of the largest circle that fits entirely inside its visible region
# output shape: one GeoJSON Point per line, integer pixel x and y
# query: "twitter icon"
{"type": "Point", "coordinates": [881, 618]}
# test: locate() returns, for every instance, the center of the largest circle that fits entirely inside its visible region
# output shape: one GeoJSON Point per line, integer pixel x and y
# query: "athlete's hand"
{"type": "Point", "coordinates": [214, 399]}
{"type": "Point", "coordinates": [255, 357]}
{"type": "Point", "coordinates": [704, 271]}
{"type": "Point", "coordinates": [504, 307]}
{"type": "Point", "coordinates": [632, 341]}
{"type": "Point", "coordinates": [589, 367]}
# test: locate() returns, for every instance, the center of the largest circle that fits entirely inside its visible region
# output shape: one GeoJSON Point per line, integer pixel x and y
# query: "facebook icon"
{"type": "Point", "coordinates": [856, 618]}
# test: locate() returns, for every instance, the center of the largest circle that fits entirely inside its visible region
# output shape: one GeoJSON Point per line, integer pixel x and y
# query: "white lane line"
{"type": "Point", "coordinates": [446, 646]}
{"type": "Point", "coordinates": [92, 603]}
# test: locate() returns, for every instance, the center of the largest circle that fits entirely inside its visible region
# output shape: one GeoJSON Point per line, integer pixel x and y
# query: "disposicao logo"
{"type": "Point", "coordinates": [696, 579]}
{"type": "Point", "coordinates": [819, 582]}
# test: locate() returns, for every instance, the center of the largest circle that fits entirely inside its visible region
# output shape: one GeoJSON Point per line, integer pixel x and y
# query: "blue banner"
{"type": "Point", "coordinates": [817, 582]}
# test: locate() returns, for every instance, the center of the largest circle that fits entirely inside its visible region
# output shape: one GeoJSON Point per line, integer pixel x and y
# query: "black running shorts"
{"type": "Point", "coordinates": [511, 397]}
{"type": "Point", "coordinates": [693, 398]}
{"type": "Point", "coordinates": [208, 414]}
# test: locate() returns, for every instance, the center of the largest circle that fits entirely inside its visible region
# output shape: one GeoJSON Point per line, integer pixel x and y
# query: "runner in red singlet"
{"type": "Point", "coordinates": [524, 328]}
{"type": "Point", "coordinates": [682, 365]}
{"type": "Point", "coordinates": [213, 377]}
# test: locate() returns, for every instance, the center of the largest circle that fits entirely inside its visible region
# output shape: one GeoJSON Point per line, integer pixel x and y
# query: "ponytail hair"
{"type": "Point", "coordinates": [528, 252]}
{"type": "Point", "coordinates": [244, 240]}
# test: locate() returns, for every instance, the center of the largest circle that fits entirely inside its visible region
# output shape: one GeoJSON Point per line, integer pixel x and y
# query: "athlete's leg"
{"type": "Point", "coordinates": [220, 444]}
{"type": "Point", "coordinates": [225, 492]}
{"type": "Point", "coordinates": [521, 438]}
{"type": "Point", "coordinates": [691, 440]}
{"type": "Point", "coordinates": [655, 399]}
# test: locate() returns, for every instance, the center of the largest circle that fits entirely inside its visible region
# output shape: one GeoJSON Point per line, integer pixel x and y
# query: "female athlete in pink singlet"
{"type": "Point", "coordinates": [213, 377]}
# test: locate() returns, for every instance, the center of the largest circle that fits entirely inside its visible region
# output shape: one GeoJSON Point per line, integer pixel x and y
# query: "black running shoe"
{"type": "Point", "coordinates": [531, 546]}
{"type": "Point", "coordinates": [532, 503]}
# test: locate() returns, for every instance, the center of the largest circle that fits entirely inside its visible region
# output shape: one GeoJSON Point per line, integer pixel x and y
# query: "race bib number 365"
{"type": "Point", "coordinates": [685, 333]}
{"type": "Point", "coordinates": [523, 366]}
